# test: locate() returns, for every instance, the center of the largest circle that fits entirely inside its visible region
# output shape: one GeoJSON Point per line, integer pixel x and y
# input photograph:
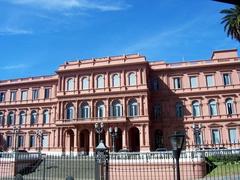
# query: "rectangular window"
{"type": "Point", "coordinates": [157, 112]}
{"type": "Point", "coordinates": [45, 141]}
{"type": "Point", "coordinates": [35, 94]}
{"type": "Point", "coordinates": [209, 80]}
{"type": "Point", "coordinates": [13, 96]}
{"type": "Point", "coordinates": [24, 95]}
{"type": "Point", "coordinates": [232, 133]}
{"type": "Point", "coordinates": [20, 141]}
{"type": "Point", "coordinates": [32, 141]}
{"type": "Point", "coordinates": [193, 82]}
{"type": "Point", "coordinates": [216, 136]}
{"type": "Point", "coordinates": [177, 83]}
{"type": "Point", "coordinates": [9, 141]}
{"type": "Point", "coordinates": [226, 79]}
{"type": "Point", "coordinates": [47, 93]}
{"type": "Point", "coordinates": [2, 96]}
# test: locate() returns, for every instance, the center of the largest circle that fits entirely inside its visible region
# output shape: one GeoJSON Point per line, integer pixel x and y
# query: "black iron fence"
{"type": "Point", "coordinates": [214, 164]}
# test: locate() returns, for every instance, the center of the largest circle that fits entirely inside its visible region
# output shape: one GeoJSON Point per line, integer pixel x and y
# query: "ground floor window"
{"type": "Point", "coordinates": [216, 136]}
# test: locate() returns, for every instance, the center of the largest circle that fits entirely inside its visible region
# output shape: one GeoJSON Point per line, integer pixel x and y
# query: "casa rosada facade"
{"type": "Point", "coordinates": [146, 101]}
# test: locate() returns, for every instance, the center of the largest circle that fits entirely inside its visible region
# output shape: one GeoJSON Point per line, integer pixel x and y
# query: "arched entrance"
{"type": "Point", "coordinates": [119, 140]}
{"type": "Point", "coordinates": [84, 141]}
{"type": "Point", "coordinates": [134, 139]}
{"type": "Point", "coordinates": [69, 141]}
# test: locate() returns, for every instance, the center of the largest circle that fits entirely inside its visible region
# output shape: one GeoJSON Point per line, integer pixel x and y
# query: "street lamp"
{"type": "Point", "coordinates": [197, 131]}
{"type": "Point", "coordinates": [99, 129]}
{"type": "Point", "coordinates": [39, 137]}
{"type": "Point", "coordinates": [113, 132]}
{"type": "Point", "coordinates": [15, 131]}
{"type": "Point", "coordinates": [177, 141]}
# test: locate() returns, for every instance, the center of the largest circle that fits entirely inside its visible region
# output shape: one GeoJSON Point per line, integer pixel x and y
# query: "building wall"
{"type": "Point", "coordinates": [143, 110]}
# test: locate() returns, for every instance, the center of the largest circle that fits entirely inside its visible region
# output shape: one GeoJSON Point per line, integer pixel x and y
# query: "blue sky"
{"type": "Point", "coordinates": [36, 36]}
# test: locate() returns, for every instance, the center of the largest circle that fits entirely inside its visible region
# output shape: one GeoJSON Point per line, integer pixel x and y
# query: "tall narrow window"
{"type": "Point", "coordinates": [116, 109]}
{"type": "Point", "coordinates": [196, 108]}
{"type": "Point", "coordinates": [35, 93]}
{"type": "Point", "coordinates": [24, 95]}
{"type": "Point", "coordinates": [100, 110]}
{"type": "Point", "coordinates": [2, 96]}
{"type": "Point", "coordinates": [155, 85]}
{"type": "Point", "coordinates": [47, 92]}
{"type": "Point", "coordinates": [13, 96]}
{"type": "Point", "coordinates": [9, 141]}
{"type": "Point", "coordinates": [232, 134]}
{"type": "Point", "coordinates": [100, 81]}
{"type": "Point", "coordinates": [226, 79]}
{"type": "Point", "coordinates": [22, 118]}
{"type": "Point", "coordinates": [132, 80]}
{"type": "Point", "coordinates": [179, 110]}
{"type": "Point", "coordinates": [11, 118]}
{"type": "Point", "coordinates": [33, 117]}
{"type": "Point", "coordinates": [45, 141]}
{"type": "Point", "coordinates": [85, 110]}
{"type": "Point", "coordinates": [229, 106]}
{"type": "Point", "coordinates": [193, 82]}
{"type": "Point", "coordinates": [85, 84]}
{"type": "Point", "coordinates": [216, 136]}
{"type": "Point", "coordinates": [45, 117]}
{"type": "Point", "coordinates": [133, 108]}
{"type": "Point", "coordinates": [70, 112]}
{"type": "Point", "coordinates": [1, 119]}
{"type": "Point", "coordinates": [212, 107]}
{"type": "Point", "coordinates": [209, 80]}
{"type": "Point", "coordinates": [115, 80]}
{"type": "Point", "coordinates": [157, 112]}
{"type": "Point", "coordinates": [177, 83]}
{"type": "Point", "coordinates": [70, 84]}
{"type": "Point", "coordinates": [20, 141]}
{"type": "Point", "coordinates": [32, 140]}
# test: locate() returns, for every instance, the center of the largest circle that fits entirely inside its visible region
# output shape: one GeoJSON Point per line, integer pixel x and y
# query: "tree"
{"type": "Point", "coordinates": [232, 22]}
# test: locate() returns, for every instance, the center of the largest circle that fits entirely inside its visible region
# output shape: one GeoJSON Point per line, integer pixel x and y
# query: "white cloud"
{"type": "Point", "coordinates": [13, 67]}
{"type": "Point", "coordinates": [102, 5]}
{"type": "Point", "coordinates": [13, 31]}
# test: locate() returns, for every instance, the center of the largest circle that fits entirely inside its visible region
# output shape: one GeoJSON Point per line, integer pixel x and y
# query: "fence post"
{"type": "Point", "coordinates": [44, 167]}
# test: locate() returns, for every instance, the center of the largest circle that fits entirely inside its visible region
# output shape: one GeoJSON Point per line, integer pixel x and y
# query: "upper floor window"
{"type": "Point", "coordinates": [216, 136]}
{"type": "Point", "coordinates": [193, 82]}
{"type": "Point", "coordinates": [100, 111]}
{"type": "Point", "coordinates": [232, 134]}
{"type": "Point", "coordinates": [212, 107]}
{"type": "Point", "coordinates": [179, 110]}
{"type": "Point", "coordinates": [85, 110]}
{"type": "Point", "coordinates": [45, 116]}
{"type": "Point", "coordinates": [1, 118]}
{"type": "Point", "coordinates": [229, 106]}
{"type": "Point", "coordinates": [70, 112]}
{"type": "Point", "coordinates": [209, 80]}
{"type": "Point", "coordinates": [133, 107]}
{"type": "Point", "coordinates": [177, 83]}
{"type": "Point", "coordinates": [35, 94]}
{"type": "Point", "coordinates": [70, 84]}
{"type": "Point", "coordinates": [33, 117]}
{"type": "Point", "coordinates": [157, 112]}
{"type": "Point", "coordinates": [100, 81]}
{"type": "Point", "coordinates": [11, 118]}
{"type": "Point", "coordinates": [24, 95]}
{"type": "Point", "coordinates": [196, 108]}
{"type": "Point", "coordinates": [47, 92]}
{"type": "Point", "coordinates": [132, 80]}
{"type": "Point", "coordinates": [2, 96]}
{"type": "Point", "coordinates": [226, 79]}
{"type": "Point", "coordinates": [115, 80]}
{"type": "Point", "coordinates": [13, 96]}
{"type": "Point", "coordinates": [85, 84]}
{"type": "Point", "coordinates": [116, 109]}
{"type": "Point", "coordinates": [22, 118]}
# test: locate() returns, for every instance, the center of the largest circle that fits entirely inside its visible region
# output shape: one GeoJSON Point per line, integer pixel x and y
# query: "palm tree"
{"type": "Point", "coordinates": [232, 22]}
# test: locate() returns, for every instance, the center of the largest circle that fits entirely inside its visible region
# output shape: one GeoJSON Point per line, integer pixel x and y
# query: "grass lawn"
{"type": "Point", "coordinates": [225, 169]}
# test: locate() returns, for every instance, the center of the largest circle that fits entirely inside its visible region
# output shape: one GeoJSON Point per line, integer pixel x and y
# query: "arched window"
{"type": "Point", "coordinates": [179, 110]}
{"type": "Point", "coordinates": [22, 118]}
{"type": "Point", "coordinates": [70, 112]}
{"type": "Point", "coordinates": [196, 108]}
{"type": "Point", "coordinates": [1, 119]}
{"type": "Point", "coordinates": [212, 107]}
{"type": "Point", "coordinates": [229, 106]}
{"type": "Point", "coordinates": [116, 109]}
{"type": "Point", "coordinates": [45, 116]}
{"type": "Point", "coordinates": [115, 80]}
{"type": "Point", "coordinates": [133, 108]}
{"type": "Point", "coordinates": [85, 84]}
{"type": "Point", "coordinates": [70, 84]}
{"type": "Point", "coordinates": [100, 110]}
{"type": "Point", "coordinates": [11, 118]}
{"type": "Point", "coordinates": [85, 111]}
{"type": "Point", "coordinates": [132, 79]}
{"type": "Point", "coordinates": [100, 81]}
{"type": "Point", "coordinates": [33, 117]}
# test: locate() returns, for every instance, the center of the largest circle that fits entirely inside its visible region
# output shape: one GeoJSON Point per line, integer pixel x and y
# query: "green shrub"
{"type": "Point", "coordinates": [227, 158]}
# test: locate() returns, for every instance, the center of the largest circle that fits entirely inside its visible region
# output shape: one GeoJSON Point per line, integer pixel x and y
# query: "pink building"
{"type": "Point", "coordinates": [147, 101]}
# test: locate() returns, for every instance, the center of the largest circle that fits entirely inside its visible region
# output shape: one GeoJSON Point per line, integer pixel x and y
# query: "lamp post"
{"type": "Point", "coordinates": [39, 137]}
{"type": "Point", "coordinates": [99, 129]}
{"type": "Point", "coordinates": [15, 131]}
{"type": "Point", "coordinates": [197, 131]}
{"type": "Point", "coordinates": [177, 141]}
{"type": "Point", "coordinates": [113, 132]}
